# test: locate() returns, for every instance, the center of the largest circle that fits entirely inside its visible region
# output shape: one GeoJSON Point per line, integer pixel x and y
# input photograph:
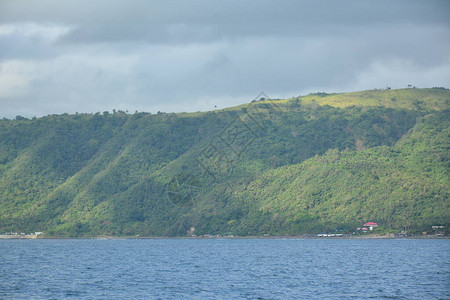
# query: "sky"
{"type": "Point", "coordinates": [92, 56]}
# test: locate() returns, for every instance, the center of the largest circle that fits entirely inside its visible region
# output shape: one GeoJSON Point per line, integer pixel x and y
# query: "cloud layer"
{"type": "Point", "coordinates": [88, 56]}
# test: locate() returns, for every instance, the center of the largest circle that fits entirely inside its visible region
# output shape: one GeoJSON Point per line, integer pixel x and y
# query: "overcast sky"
{"type": "Point", "coordinates": [88, 56]}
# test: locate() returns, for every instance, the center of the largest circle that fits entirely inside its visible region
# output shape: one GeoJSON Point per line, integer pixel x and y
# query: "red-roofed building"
{"type": "Point", "coordinates": [371, 225]}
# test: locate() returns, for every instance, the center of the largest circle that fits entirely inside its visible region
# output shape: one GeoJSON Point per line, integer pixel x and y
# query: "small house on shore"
{"type": "Point", "coordinates": [371, 225]}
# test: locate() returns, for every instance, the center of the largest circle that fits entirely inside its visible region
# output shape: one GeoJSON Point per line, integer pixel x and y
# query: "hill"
{"type": "Point", "coordinates": [301, 165]}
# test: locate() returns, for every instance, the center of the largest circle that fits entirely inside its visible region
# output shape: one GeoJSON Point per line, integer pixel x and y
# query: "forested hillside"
{"type": "Point", "coordinates": [300, 165]}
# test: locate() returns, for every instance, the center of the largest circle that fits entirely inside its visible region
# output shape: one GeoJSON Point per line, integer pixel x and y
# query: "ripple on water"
{"type": "Point", "coordinates": [209, 269]}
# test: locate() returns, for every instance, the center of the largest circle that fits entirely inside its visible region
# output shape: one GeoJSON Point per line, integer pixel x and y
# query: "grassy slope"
{"type": "Point", "coordinates": [427, 99]}
{"type": "Point", "coordinates": [94, 174]}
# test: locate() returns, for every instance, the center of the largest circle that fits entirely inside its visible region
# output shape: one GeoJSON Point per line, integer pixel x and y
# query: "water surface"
{"type": "Point", "coordinates": [225, 269]}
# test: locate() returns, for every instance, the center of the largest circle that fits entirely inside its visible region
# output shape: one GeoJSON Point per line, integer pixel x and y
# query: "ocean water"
{"type": "Point", "coordinates": [225, 269]}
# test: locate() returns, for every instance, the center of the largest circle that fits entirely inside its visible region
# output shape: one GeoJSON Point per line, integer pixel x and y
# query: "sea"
{"type": "Point", "coordinates": [225, 269]}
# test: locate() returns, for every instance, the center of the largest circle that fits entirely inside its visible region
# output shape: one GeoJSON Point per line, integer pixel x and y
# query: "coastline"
{"type": "Point", "coordinates": [367, 237]}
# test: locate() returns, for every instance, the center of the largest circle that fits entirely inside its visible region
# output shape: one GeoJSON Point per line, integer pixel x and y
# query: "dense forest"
{"type": "Point", "coordinates": [308, 164]}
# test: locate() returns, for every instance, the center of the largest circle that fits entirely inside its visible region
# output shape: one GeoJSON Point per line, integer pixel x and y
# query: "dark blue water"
{"type": "Point", "coordinates": [225, 269]}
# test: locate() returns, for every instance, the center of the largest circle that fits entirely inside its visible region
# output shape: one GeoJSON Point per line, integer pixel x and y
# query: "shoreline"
{"type": "Point", "coordinates": [385, 237]}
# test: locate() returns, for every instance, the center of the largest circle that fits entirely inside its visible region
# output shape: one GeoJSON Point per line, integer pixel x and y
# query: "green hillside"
{"type": "Point", "coordinates": [302, 165]}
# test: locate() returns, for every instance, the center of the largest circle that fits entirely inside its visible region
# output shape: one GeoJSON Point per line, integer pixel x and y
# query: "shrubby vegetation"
{"type": "Point", "coordinates": [316, 163]}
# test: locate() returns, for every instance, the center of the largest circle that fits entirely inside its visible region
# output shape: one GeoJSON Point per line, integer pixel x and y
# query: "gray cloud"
{"type": "Point", "coordinates": [87, 56]}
